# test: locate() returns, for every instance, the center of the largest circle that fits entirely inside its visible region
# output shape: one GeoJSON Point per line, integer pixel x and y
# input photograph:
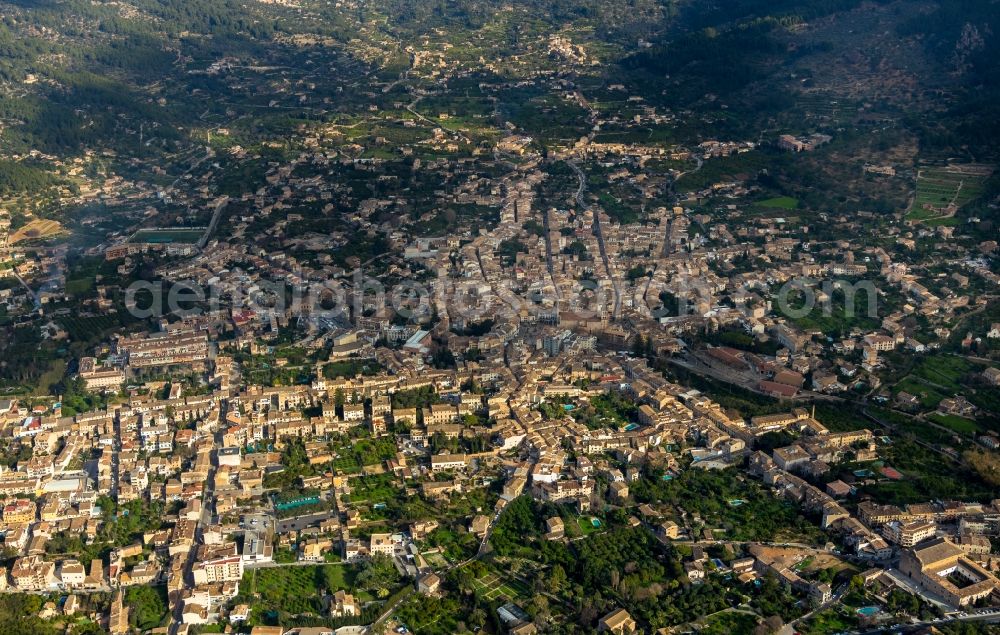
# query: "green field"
{"type": "Point", "coordinates": [296, 590]}
{"type": "Point", "coordinates": [928, 396]}
{"type": "Point", "coordinates": [724, 169]}
{"type": "Point", "coordinates": [944, 371]}
{"type": "Point", "coordinates": [168, 236]}
{"type": "Point", "coordinates": [93, 328]}
{"type": "Point", "coordinates": [352, 457]}
{"type": "Point", "coordinates": [728, 622]}
{"type": "Point", "coordinates": [960, 425]}
{"type": "Point", "coordinates": [832, 620]}
{"type": "Point", "coordinates": [778, 202]}
{"type": "Point", "coordinates": [80, 286]}
{"type": "Point", "coordinates": [587, 526]}
{"type": "Point", "coordinates": [941, 191]}
{"type": "Point", "coordinates": [934, 378]}
{"type": "Point", "coordinates": [347, 465]}
{"type": "Point", "coordinates": [379, 488]}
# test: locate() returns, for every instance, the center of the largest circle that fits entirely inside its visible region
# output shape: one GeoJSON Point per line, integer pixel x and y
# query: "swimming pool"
{"type": "Point", "coordinates": [868, 611]}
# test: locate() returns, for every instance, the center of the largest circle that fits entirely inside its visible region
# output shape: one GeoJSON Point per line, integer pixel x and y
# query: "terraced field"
{"type": "Point", "coordinates": [40, 228]}
{"type": "Point", "coordinates": [942, 191]}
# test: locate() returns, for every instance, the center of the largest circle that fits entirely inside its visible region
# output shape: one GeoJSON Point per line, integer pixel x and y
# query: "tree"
{"type": "Point", "coordinates": [770, 625]}
{"type": "Point", "coordinates": [146, 607]}
{"type": "Point", "coordinates": [477, 618]}
{"type": "Point", "coordinates": [857, 583]}
{"type": "Point", "coordinates": [557, 578]}
{"type": "Point", "coordinates": [379, 575]}
{"type": "Point", "coordinates": [443, 358]}
{"type": "Point", "coordinates": [515, 525]}
{"type": "Point", "coordinates": [636, 272]}
{"type": "Point", "coordinates": [639, 346]}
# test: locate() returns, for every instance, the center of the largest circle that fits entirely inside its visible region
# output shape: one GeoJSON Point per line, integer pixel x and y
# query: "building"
{"type": "Point", "coordinates": [992, 375]}
{"type": "Point", "coordinates": [217, 563]}
{"type": "Point", "coordinates": [943, 568]}
{"type": "Point", "coordinates": [442, 462]}
{"type": "Point", "coordinates": [72, 574]}
{"type": "Point", "coordinates": [257, 547]}
{"type": "Point", "coordinates": [118, 620]}
{"type": "Point", "coordinates": [99, 378]}
{"type": "Point", "coordinates": [802, 144]}
{"type": "Point", "coordinates": [875, 515]}
{"type": "Point", "coordinates": [164, 350]}
{"type": "Point", "coordinates": [555, 529]}
{"type": "Point", "coordinates": [31, 573]}
{"type": "Point", "coordinates": [230, 457]}
{"type": "Point", "coordinates": [617, 621]}
{"type": "Point", "coordinates": [880, 343]}
{"type": "Point", "coordinates": [909, 534]}
{"type": "Point", "coordinates": [382, 544]}
{"type": "Point", "coordinates": [838, 489]}
{"type": "Point", "coordinates": [668, 529]}
{"type": "Point", "coordinates": [354, 412]}
{"type": "Point", "coordinates": [820, 593]}
{"type": "Point", "coordinates": [977, 547]}
{"type": "Point", "coordinates": [429, 583]}
{"type": "Point", "coordinates": [418, 343]}
{"type": "Point", "coordinates": [20, 511]}
{"type": "Point", "coordinates": [343, 604]}
{"type": "Point", "coordinates": [480, 525]}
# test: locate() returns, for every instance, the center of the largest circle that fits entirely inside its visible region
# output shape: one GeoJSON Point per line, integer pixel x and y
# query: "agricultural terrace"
{"type": "Point", "coordinates": [942, 191]}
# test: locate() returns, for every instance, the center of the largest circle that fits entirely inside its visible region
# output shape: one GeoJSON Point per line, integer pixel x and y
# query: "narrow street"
{"type": "Point", "coordinates": [581, 202]}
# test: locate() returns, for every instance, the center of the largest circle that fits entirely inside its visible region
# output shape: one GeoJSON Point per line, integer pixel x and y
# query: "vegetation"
{"type": "Point", "coordinates": [343, 133]}
{"type": "Point", "coordinates": [710, 494]}
{"type": "Point", "coordinates": [147, 606]}
{"type": "Point", "coordinates": [624, 566]}
{"type": "Point", "coordinates": [19, 614]}
{"type": "Point", "coordinates": [350, 369]}
{"type": "Point", "coordinates": [290, 591]}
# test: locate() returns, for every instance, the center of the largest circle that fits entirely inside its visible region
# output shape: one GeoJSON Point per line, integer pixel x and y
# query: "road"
{"type": "Point", "coordinates": [548, 253]}
{"type": "Point", "coordinates": [992, 617]}
{"type": "Point", "coordinates": [34, 296]}
{"type": "Point", "coordinates": [580, 192]}
{"type": "Point", "coordinates": [298, 523]}
{"type": "Point", "coordinates": [204, 520]}
{"type": "Point", "coordinates": [666, 243]}
{"type": "Point", "coordinates": [834, 599]}
{"type": "Point", "coordinates": [740, 379]}
{"type": "Point", "coordinates": [390, 609]}
{"type": "Point", "coordinates": [739, 543]}
{"type": "Point", "coordinates": [216, 215]}
{"type": "Point", "coordinates": [298, 563]}
{"type": "Point", "coordinates": [744, 382]}
{"type": "Point", "coordinates": [412, 109]}
{"type": "Point", "coordinates": [479, 553]}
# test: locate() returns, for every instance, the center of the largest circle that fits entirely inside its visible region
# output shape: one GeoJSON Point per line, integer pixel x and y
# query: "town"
{"type": "Point", "coordinates": [377, 317]}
